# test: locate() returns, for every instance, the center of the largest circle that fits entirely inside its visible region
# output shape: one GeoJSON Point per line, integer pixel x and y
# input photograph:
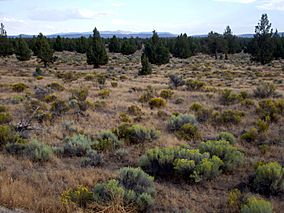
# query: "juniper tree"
{"type": "Point", "coordinates": [43, 50]}
{"type": "Point", "coordinates": [128, 46]}
{"type": "Point", "coordinates": [96, 54]}
{"type": "Point", "coordinates": [262, 43]}
{"type": "Point", "coordinates": [146, 66]}
{"type": "Point", "coordinates": [156, 51]}
{"type": "Point", "coordinates": [114, 45]}
{"type": "Point", "coordinates": [23, 53]}
{"type": "Point", "coordinates": [6, 46]}
{"type": "Point", "coordinates": [232, 41]}
{"type": "Point", "coordinates": [182, 47]}
{"type": "Point", "coordinates": [58, 46]}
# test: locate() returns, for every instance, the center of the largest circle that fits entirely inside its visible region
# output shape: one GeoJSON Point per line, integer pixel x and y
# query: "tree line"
{"type": "Point", "coordinates": [265, 46]}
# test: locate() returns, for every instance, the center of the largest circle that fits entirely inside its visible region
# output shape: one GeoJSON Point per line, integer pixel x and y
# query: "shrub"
{"type": "Point", "coordinates": [55, 87]}
{"type": "Point", "coordinates": [227, 117]}
{"type": "Point", "coordinates": [80, 196]}
{"type": "Point", "coordinates": [234, 199]}
{"type": "Point", "coordinates": [157, 103]}
{"type": "Point", "coordinates": [256, 205]}
{"type": "Point", "coordinates": [229, 98]}
{"type": "Point", "coordinates": [114, 84]}
{"type": "Point", "coordinates": [270, 109]}
{"type": "Point", "coordinates": [262, 126]}
{"type": "Point", "coordinates": [135, 110]}
{"type": "Point", "coordinates": [136, 134]}
{"type": "Point", "coordinates": [80, 94]}
{"type": "Point", "coordinates": [196, 107]}
{"type": "Point", "coordinates": [106, 140]}
{"type": "Point", "coordinates": [138, 186]}
{"type": "Point", "coordinates": [166, 94]}
{"type": "Point", "coordinates": [202, 114]}
{"type": "Point", "coordinates": [176, 80]}
{"type": "Point", "coordinates": [59, 107]}
{"type": "Point", "coordinates": [6, 135]}
{"type": "Point", "coordinates": [19, 87]}
{"type": "Point", "coordinates": [264, 90]}
{"type": "Point", "coordinates": [229, 154]}
{"type": "Point", "coordinates": [77, 145]}
{"type": "Point", "coordinates": [5, 118]}
{"type": "Point", "coordinates": [92, 159]}
{"type": "Point", "coordinates": [38, 72]}
{"type": "Point", "coordinates": [194, 85]}
{"type": "Point", "coordinates": [38, 151]}
{"type": "Point", "coordinates": [250, 135]}
{"type": "Point", "coordinates": [189, 132]}
{"type": "Point", "coordinates": [50, 98]}
{"type": "Point", "coordinates": [101, 78]}
{"type": "Point", "coordinates": [148, 94]}
{"type": "Point", "coordinates": [2, 108]}
{"type": "Point", "coordinates": [108, 192]}
{"type": "Point", "coordinates": [177, 121]}
{"type": "Point", "coordinates": [104, 93]}
{"type": "Point", "coordinates": [269, 178]}
{"type": "Point", "coordinates": [227, 136]}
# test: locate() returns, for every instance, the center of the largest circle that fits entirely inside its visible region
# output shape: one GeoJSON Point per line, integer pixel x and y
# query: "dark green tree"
{"type": "Point", "coordinates": [216, 44]}
{"type": "Point", "coordinates": [182, 47]}
{"type": "Point", "coordinates": [128, 46]}
{"type": "Point", "coordinates": [232, 41]}
{"type": "Point", "coordinates": [58, 45]}
{"type": "Point", "coordinates": [96, 54]}
{"type": "Point", "coordinates": [6, 46]}
{"type": "Point", "coordinates": [278, 46]}
{"type": "Point", "coordinates": [156, 50]}
{"type": "Point", "coordinates": [114, 45]}
{"type": "Point", "coordinates": [23, 53]}
{"type": "Point", "coordinates": [146, 66]}
{"type": "Point", "coordinates": [43, 50]}
{"type": "Point", "coordinates": [81, 45]}
{"type": "Point", "coordinates": [262, 43]}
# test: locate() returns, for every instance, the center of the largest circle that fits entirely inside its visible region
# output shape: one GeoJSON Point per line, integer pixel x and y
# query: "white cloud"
{"type": "Point", "coordinates": [67, 14]}
{"type": "Point", "coordinates": [272, 5]}
{"type": "Point", "coordinates": [238, 1]}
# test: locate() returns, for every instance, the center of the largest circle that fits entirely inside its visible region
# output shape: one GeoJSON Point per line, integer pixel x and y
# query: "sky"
{"type": "Point", "coordinates": [193, 17]}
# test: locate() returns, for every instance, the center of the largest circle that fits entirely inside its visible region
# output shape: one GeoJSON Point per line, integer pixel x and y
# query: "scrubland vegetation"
{"type": "Point", "coordinates": [160, 125]}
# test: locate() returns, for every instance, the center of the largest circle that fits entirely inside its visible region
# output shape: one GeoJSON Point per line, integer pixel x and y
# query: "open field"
{"type": "Point", "coordinates": [37, 186]}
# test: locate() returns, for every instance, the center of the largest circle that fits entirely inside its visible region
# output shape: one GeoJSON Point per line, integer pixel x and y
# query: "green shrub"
{"type": "Point", "coordinates": [262, 126]}
{"type": "Point", "coordinates": [196, 107]}
{"type": "Point", "coordinates": [104, 93]}
{"type": "Point", "coordinates": [135, 110]}
{"type": "Point", "coordinates": [269, 178]}
{"type": "Point", "coordinates": [89, 77]}
{"type": "Point", "coordinates": [227, 117]}
{"type": "Point", "coordinates": [138, 186]}
{"type": "Point", "coordinates": [270, 109]}
{"type": "Point", "coordinates": [108, 192]}
{"type": "Point", "coordinates": [189, 132]}
{"type": "Point", "coordinates": [265, 90]}
{"type": "Point", "coordinates": [92, 158]}
{"type": "Point", "coordinates": [80, 94]}
{"type": "Point", "coordinates": [19, 87]}
{"type": "Point", "coordinates": [194, 85]}
{"type": "Point", "coordinates": [77, 145]}
{"type": "Point", "coordinates": [176, 80]}
{"type": "Point", "coordinates": [250, 135]}
{"type": "Point", "coordinates": [167, 94]}
{"type": "Point", "coordinates": [2, 108]}
{"type": "Point", "coordinates": [55, 87]}
{"type": "Point", "coordinates": [38, 151]}
{"type": "Point", "coordinates": [227, 136]}
{"type": "Point", "coordinates": [114, 84]}
{"type": "Point", "coordinates": [229, 98]}
{"type": "Point", "coordinates": [106, 140]}
{"type": "Point", "coordinates": [50, 98]}
{"type": "Point", "coordinates": [234, 199]}
{"type": "Point", "coordinates": [177, 121]}
{"type": "Point", "coordinates": [229, 154]}
{"type": "Point", "coordinates": [137, 134]}
{"type": "Point", "coordinates": [157, 103]}
{"type": "Point", "coordinates": [59, 107]}
{"type": "Point", "coordinates": [38, 72]}
{"type": "Point", "coordinates": [6, 135]}
{"type": "Point", "coordinates": [256, 205]}
{"type": "Point", "coordinates": [208, 168]}
{"type": "Point", "coordinates": [101, 78]}
{"type": "Point", "coordinates": [148, 94]}
{"type": "Point", "coordinates": [80, 196]}
{"type": "Point", "coordinates": [5, 118]}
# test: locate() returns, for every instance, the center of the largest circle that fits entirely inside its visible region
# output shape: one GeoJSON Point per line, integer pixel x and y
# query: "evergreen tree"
{"type": "Point", "coordinates": [216, 44]}
{"type": "Point", "coordinates": [278, 46]}
{"type": "Point", "coordinates": [262, 43]}
{"type": "Point", "coordinates": [6, 46]}
{"type": "Point", "coordinates": [58, 46]}
{"type": "Point", "coordinates": [114, 45]}
{"type": "Point", "coordinates": [82, 45]}
{"type": "Point", "coordinates": [128, 46]}
{"type": "Point", "coordinates": [23, 53]}
{"type": "Point", "coordinates": [156, 51]}
{"type": "Point", "coordinates": [96, 54]}
{"type": "Point", "coordinates": [146, 66]}
{"type": "Point", "coordinates": [182, 47]}
{"type": "Point", "coordinates": [43, 50]}
{"type": "Point", "coordinates": [232, 41]}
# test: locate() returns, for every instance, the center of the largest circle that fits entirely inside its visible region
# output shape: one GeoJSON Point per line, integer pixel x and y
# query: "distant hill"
{"type": "Point", "coordinates": [106, 34]}
{"type": "Point", "coordinates": [125, 34]}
